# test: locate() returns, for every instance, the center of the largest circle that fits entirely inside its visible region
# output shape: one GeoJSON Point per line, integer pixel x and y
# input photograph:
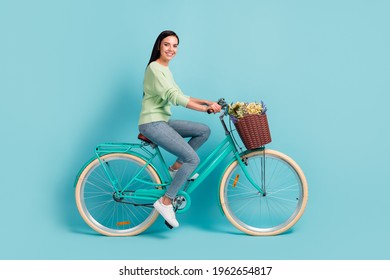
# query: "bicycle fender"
{"type": "Point", "coordinates": [96, 157]}
{"type": "Point", "coordinates": [82, 169]}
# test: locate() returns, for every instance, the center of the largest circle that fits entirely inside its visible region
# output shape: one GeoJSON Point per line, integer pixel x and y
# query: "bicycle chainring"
{"type": "Point", "coordinates": [181, 202]}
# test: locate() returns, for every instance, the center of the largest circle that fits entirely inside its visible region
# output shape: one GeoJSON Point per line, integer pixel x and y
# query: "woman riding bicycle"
{"type": "Point", "coordinates": [160, 92]}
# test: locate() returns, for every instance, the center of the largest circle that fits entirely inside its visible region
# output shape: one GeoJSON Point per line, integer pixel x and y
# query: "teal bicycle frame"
{"type": "Point", "coordinates": [226, 147]}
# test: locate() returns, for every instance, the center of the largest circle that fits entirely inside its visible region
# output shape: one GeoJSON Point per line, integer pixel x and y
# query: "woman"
{"type": "Point", "coordinates": [160, 91]}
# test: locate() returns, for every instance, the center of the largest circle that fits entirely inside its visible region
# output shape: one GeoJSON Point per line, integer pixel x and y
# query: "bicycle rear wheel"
{"type": "Point", "coordinates": [282, 204]}
{"type": "Point", "coordinates": [98, 204]}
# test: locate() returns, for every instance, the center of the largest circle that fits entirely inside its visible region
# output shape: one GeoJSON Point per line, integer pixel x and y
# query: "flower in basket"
{"type": "Point", "coordinates": [239, 110]}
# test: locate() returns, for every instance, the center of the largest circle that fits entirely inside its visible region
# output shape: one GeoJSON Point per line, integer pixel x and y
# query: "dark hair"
{"type": "Point", "coordinates": [156, 48]}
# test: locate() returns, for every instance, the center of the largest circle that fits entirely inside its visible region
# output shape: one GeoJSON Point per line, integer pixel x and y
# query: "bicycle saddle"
{"type": "Point", "coordinates": [144, 138]}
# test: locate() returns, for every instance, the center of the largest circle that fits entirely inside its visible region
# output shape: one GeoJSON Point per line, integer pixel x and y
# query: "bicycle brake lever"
{"type": "Point", "coordinates": [221, 102]}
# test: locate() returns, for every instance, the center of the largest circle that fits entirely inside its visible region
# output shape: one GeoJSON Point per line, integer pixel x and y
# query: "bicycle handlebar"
{"type": "Point", "coordinates": [221, 102]}
{"type": "Point", "coordinates": [224, 111]}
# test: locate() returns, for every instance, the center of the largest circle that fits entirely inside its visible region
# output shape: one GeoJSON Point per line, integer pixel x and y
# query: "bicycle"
{"type": "Point", "coordinates": [261, 191]}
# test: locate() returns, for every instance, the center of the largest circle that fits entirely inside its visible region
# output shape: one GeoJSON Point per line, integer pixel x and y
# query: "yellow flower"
{"type": "Point", "coordinates": [241, 109]}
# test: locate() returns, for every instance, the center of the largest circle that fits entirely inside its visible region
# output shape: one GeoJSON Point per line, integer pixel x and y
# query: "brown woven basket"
{"type": "Point", "coordinates": [254, 131]}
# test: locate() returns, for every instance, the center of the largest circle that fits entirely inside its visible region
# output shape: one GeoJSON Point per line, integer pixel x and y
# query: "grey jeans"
{"type": "Point", "coordinates": [170, 136]}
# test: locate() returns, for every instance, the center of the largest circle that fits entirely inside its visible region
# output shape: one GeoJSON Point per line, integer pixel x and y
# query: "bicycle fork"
{"type": "Point", "coordinates": [243, 163]}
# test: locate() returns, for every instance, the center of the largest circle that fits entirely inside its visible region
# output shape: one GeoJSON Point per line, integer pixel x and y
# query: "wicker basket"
{"type": "Point", "coordinates": [254, 131]}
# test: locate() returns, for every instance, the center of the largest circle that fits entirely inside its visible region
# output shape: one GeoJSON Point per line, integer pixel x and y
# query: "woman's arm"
{"type": "Point", "coordinates": [203, 105]}
{"type": "Point", "coordinates": [202, 101]}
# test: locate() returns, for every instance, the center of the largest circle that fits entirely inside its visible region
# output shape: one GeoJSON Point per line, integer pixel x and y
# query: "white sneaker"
{"type": "Point", "coordinates": [166, 211]}
{"type": "Point", "coordinates": [196, 175]}
{"type": "Point", "coordinates": [173, 173]}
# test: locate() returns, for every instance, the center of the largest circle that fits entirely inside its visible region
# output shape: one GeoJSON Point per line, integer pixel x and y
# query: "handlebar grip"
{"type": "Point", "coordinates": [209, 111]}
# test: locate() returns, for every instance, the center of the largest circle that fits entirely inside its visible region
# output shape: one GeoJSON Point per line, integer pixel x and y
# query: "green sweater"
{"type": "Point", "coordinates": [160, 92]}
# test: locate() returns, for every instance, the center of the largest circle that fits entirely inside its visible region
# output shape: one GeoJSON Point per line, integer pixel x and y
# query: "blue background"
{"type": "Point", "coordinates": [71, 77]}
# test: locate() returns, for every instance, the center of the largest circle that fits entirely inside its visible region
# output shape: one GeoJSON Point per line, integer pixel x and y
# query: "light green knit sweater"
{"type": "Point", "coordinates": [160, 92]}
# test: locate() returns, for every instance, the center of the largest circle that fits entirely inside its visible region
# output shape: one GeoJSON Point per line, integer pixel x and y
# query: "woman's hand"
{"type": "Point", "coordinates": [213, 107]}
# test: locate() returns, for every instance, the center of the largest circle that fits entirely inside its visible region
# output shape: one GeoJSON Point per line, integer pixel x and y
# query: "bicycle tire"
{"type": "Point", "coordinates": [283, 203]}
{"type": "Point", "coordinates": [95, 196]}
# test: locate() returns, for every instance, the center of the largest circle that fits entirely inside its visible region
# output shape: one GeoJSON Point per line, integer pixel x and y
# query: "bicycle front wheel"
{"type": "Point", "coordinates": [96, 197]}
{"type": "Point", "coordinates": [282, 202]}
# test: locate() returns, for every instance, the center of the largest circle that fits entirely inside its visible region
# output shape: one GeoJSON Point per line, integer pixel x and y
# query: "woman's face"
{"type": "Point", "coordinates": [168, 48]}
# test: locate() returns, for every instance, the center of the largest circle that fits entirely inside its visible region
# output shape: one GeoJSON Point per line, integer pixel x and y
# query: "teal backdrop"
{"type": "Point", "coordinates": [71, 76]}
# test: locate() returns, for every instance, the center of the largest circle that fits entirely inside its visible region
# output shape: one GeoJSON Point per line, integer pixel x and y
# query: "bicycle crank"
{"type": "Point", "coordinates": [182, 202]}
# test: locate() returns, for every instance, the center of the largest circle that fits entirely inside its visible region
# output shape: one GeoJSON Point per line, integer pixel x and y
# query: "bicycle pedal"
{"type": "Point", "coordinates": [168, 225]}
{"type": "Point", "coordinates": [196, 175]}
